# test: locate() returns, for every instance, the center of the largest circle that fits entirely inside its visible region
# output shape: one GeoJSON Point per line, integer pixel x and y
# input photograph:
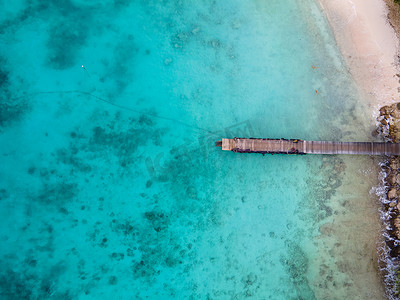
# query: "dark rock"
{"type": "Point", "coordinates": [113, 280]}
{"type": "Point", "coordinates": [117, 256]}
{"type": "Point", "coordinates": [383, 111]}
{"type": "Point", "coordinates": [391, 179]}
{"type": "Point", "coordinates": [375, 132]}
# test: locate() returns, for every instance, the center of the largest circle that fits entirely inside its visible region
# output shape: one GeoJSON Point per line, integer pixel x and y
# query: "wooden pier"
{"type": "Point", "coordinates": [284, 146]}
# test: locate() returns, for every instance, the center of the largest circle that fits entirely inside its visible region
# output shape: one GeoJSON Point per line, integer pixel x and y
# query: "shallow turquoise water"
{"type": "Point", "coordinates": [111, 186]}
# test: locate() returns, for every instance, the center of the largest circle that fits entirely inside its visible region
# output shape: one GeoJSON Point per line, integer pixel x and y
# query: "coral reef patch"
{"type": "Point", "coordinates": [11, 108]}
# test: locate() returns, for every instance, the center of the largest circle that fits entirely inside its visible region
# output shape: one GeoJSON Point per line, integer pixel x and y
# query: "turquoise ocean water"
{"type": "Point", "coordinates": [111, 186]}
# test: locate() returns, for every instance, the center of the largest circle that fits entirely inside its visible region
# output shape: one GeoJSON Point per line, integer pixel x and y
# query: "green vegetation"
{"type": "Point", "coordinates": [397, 283]}
{"type": "Point", "coordinates": [397, 1]}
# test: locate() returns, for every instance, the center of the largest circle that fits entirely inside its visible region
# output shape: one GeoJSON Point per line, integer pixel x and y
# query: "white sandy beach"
{"type": "Point", "coordinates": [369, 45]}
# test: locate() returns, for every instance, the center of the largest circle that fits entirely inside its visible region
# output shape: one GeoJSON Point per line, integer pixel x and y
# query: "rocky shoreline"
{"type": "Point", "coordinates": [389, 129]}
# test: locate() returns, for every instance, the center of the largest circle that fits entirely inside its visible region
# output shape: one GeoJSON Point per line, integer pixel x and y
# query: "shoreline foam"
{"type": "Point", "coordinates": [367, 33]}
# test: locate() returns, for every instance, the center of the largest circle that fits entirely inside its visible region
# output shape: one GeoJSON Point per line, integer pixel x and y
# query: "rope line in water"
{"type": "Point", "coordinates": [114, 104]}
